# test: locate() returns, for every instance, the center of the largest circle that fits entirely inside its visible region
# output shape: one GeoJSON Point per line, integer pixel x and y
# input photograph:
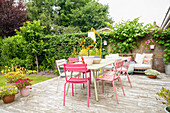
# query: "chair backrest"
{"type": "Point", "coordinates": [118, 68]}
{"type": "Point", "coordinates": [75, 68]}
{"type": "Point", "coordinates": [73, 60]}
{"type": "Point", "coordinates": [60, 63]}
{"type": "Point", "coordinates": [127, 63]}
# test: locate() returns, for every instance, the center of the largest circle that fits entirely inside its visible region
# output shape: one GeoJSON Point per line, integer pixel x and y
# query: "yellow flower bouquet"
{"type": "Point", "coordinates": [87, 44]}
{"type": "Point", "coordinates": [8, 90]}
{"type": "Point", "coordinates": [13, 76]}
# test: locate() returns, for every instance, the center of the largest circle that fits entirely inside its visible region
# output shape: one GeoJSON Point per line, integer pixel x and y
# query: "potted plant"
{"type": "Point", "coordinates": [87, 44]}
{"type": "Point", "coordinates": [152, 73]}
{"type": "Point", "coordinates": [150, 44]}
{"type": "Point", "coordinates": [7, 93]}
{"type": "Point", "coordinates": [12, 77]}
{"type": "Point", "coordinates": [23, 85]}
{"type": "Point", "coordinates": [165, 94]}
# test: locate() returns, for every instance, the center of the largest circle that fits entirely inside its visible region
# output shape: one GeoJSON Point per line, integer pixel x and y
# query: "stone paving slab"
{"type": "Point", "coordinates": [138, 99]}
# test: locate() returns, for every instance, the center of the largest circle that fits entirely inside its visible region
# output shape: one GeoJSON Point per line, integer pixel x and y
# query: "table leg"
{"type": "Point", "coordinates": [95, 88]}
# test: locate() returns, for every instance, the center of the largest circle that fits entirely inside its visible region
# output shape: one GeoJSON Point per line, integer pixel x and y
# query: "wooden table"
{"type": "Point", "coordinates": [95, 67]}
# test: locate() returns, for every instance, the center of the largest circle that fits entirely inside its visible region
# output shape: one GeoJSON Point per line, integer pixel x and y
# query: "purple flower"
{"type": "Point", "coordinates": [51, 71]}
{"type": "Point", "coordinates": [145, 42]}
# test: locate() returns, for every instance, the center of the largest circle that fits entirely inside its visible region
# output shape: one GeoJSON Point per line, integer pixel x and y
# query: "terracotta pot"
{"type": "Point", "coordinates": [8, 99]}
{"type": "Point", "coordinates": [24, 92]}
{"type": "Point", "coordinates": [152, 76]}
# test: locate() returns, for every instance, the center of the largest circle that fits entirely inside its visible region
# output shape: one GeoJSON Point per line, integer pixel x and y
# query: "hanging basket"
{"type": "Point", "coordinates": [152, 46]}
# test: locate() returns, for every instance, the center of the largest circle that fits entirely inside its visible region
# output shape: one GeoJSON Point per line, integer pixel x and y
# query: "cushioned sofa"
{"type": "Point", "coordinates": [143, 62]}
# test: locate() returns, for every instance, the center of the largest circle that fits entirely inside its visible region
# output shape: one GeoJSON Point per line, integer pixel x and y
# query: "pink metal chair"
{"type": "Point", "coordinates": [72, 80]}
{"type": "Point", "coordinates": [73, 60]}
{"type": "Point", "coordinates": [126, 67]}
{"type": "Point", "coordinates": [113, 76]}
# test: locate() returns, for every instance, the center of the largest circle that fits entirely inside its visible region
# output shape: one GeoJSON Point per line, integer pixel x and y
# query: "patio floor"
{"type": "Point", "coordinates": [138, 99]}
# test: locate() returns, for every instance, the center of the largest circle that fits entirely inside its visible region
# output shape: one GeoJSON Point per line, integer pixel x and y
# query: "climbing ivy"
{"type": "Point", "coordinates": [124, 35]}
{"type": "Point", "coordinates": [163, 39]}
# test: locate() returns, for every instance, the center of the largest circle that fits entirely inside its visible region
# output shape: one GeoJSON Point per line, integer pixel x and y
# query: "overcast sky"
{"type": "Point", "coordinates": [148, 10]}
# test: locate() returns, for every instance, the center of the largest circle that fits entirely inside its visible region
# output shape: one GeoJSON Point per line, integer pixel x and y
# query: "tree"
{"type": "Point", "coordinates": [65, 10]}
{"type": "Point", "coordinates": [93, 14]}
{"type": "Point", "coordinates": [12, 16]}
{"type": "Point", "coordinates": [45, 11]}
{"type": "Point", "coordinates": [33, 34]}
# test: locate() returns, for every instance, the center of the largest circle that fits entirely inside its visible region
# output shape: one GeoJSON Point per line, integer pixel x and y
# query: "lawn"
{"type": "Point", "coordinates": [36, 79]}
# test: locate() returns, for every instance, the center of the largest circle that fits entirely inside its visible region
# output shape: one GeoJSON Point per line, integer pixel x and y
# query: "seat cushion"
{"type": "Point", "coordinates": [147, 61]}
{"type": "Point", "coordinates": [142, 66]}
{"type": "Point", "coordinates": [146, 55]}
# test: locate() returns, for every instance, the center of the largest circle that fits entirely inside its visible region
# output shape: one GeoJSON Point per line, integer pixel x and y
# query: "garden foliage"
{"type": "Point", "coordinates": [163, 39]}
{"type": "Point", "coordinates": [124, 35]}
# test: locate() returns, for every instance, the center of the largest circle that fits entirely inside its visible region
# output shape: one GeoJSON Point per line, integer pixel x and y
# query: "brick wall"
{"type": "Point", "coordinates": [158, 52]}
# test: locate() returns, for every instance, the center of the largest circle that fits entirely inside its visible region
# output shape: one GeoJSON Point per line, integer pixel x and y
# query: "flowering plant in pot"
{"type": "Point", "coordinates": [13, 76]}
{"type": "Point", "coordinates": [23, 85]}
{"type": "Point", "coordinates": [87, 44]}
{"type": "Point", "coordinates": [165, 94]}
{"type": "Point", "coordinates": [7, 93]}
{"type": "Point", "coordinates": [150, 44]}
{"type": "Point", "coordinates": [152, 73]}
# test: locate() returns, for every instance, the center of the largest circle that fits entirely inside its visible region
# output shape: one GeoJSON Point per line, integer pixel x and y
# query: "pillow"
{"type": "Point", "coordinates": [148, 55]}
{"type": "Point", "coordinates": [147, 61]}
{"type": "Point", "coordinates": [139, 58]}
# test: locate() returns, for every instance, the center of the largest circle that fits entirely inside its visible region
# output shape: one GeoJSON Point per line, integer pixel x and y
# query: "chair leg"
{"type": "Point", "coordinates": [64, 94]}
{"type": "Point", "coordinates": [83, 77]}
{"type": "Point", "coordinates": [88, 93]}
{"type": "Point", "coordinates": [115, 92]}
{"type": "Point", "coordinates": [72, 90]}
{"type": "Point", "coordinates": [90, 77]}
{"type": "Point", "coordinates": [128, 79]}
{"type": "Point", "coordinates": [89, 90]}
{"type": "Point", "coordinates": [103, 86]}
{"type": "Point", "coordinates": [58, 83]}
{"type": "Point", "coordinates": [122, 86]}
